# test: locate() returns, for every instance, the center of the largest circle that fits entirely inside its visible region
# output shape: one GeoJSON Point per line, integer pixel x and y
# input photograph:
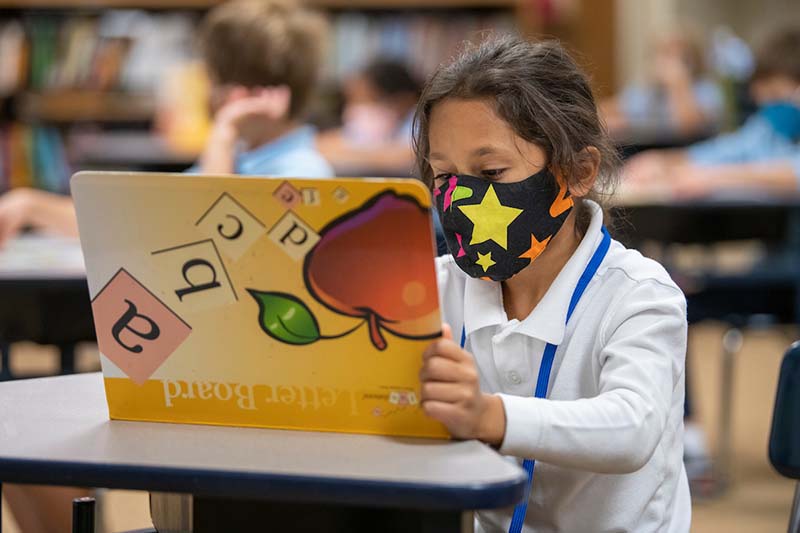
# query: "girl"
{"type": "Point", "coordinates": [563, 347]}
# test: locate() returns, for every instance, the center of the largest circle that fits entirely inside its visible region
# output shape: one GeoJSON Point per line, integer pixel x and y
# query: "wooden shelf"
{"type": "Point", "coordinates": [108, 4]}
{"type": "Point", "coordinates": [205, 4]}
{"type": "Point", "coordinates": [79, 106]}
{"type": "Point", "coordinates": [415, 4]}
{"type": "Point", "coordinates": [125, 149]}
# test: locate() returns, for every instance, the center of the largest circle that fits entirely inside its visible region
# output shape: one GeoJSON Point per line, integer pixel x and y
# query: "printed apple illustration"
{"type": "Point", "coordinates": [373, 263]}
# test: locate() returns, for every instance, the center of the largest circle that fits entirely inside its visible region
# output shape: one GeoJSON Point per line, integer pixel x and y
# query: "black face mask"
{"type": "Point", "coordinates": [494, 230]}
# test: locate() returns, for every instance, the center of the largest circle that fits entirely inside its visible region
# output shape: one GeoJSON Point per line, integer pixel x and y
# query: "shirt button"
{"type": "Point", "coordinates": [514, 377]}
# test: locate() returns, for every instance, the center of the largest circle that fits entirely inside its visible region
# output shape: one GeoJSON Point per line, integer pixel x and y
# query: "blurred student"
{"type": "Point", "coordinates": [46, 212]}
{"type": "Point", "coordinates": [763, 155]}
{"type": "Point", "coordinates": [263, 58]}
{"type": "Point", "coordinates": [678, 99]}
{"type": "Point", "coordinates": [375, 135]}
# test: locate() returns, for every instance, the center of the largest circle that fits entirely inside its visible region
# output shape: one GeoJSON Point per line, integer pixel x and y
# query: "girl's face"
{"type": "Point", "coordinates": [467, 137]}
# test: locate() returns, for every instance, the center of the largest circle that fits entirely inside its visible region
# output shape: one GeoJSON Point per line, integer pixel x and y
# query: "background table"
{"type": "Point", "coordinates": [56, 431]}
{"type": "Point", "coordinates": [771, 286]}
{"type": "Point", "coordinates": [43, 297]}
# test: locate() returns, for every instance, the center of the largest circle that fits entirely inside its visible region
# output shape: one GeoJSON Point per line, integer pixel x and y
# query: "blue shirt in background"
{"type": "Point", "coordinates": [648, 107]}
{"type": "Point", "coordinates": [292, 154]}
{"type": "Point", "coordinates": [755, 142]}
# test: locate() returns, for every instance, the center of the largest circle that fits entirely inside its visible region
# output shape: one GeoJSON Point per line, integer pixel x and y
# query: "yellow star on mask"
{"type": "Point", "coordinates": [490, 219]}
{"type": "Point", "coordinates": [485, 260]}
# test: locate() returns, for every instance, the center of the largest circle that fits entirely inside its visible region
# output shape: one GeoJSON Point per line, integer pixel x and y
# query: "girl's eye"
{"type": "Point", "coordinates": [493, 173]}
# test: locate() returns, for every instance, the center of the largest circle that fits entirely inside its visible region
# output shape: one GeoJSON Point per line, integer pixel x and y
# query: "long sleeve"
{"type": "Point", "coordinates": [638, 363]}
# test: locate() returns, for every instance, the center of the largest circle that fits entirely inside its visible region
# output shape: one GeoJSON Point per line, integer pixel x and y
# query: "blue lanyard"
{"type": "Point", "coordinates": [547, 364]}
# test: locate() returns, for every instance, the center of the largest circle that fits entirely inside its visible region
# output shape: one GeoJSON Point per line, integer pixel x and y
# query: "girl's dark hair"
{"type": "Point", "coordinates": [391, 77]}
{"type": "Point", "coordinates": [539, 90]}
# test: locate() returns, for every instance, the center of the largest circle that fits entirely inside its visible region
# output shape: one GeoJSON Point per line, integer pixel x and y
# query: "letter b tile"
{"type": "Point", "coordinates": [135, 330]}
{"type": "Point", "coordinates": [192, 277]}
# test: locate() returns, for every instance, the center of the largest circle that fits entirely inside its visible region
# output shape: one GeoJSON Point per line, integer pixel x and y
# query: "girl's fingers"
{"type": "Point", "coordinates": [444, 369]}
{"type": "Point", "coordinates": [445, 348]}
{"type": "Point", "coordinates": [443, 391]}
{"type": "Point", "coordinates": [446, 413]}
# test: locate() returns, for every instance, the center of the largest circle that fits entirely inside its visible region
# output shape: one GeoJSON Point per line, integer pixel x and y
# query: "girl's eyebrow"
{"type": "Point", "coordinates": [485, 150]}
{"type": "Point", "coordinates": [477, 152]}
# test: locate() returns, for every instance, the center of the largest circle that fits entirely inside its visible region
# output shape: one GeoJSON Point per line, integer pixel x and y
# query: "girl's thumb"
{"type": "Point", "coordinates": [447, 333]}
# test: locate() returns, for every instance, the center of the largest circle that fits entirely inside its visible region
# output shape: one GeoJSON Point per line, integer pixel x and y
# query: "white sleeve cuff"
{"type": "Point", "coordinates": [524, 425]}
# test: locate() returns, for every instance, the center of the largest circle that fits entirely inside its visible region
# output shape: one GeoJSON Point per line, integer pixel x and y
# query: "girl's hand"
{"type": "Point", "coordinates": [451, 393]}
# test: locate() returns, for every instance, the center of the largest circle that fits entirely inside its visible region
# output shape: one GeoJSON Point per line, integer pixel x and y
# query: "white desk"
{"type": "Point", "coordinates": [56, 431]}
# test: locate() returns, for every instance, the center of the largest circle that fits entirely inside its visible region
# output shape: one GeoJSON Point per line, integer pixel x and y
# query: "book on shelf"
{"type": "Point", "coordinates": [33, 156]}
{"type": "Point", "coordinates": [133, 49]}
{"type": "Point", "coordinates": [121, 50]}
{"type": "Point", "coordinates": [139, 66]}
{"type": "Point", "coordinates": [422, 39]}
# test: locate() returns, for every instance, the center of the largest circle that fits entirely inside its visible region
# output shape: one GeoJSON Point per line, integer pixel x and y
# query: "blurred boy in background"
{"type": "Point", "coordinates": [679, 98]}
{"type": "Point", "coordinates": [263, 58]}
{"type": "Point", "coordinates": [763, 155]}
{"type": "Point", "coordinates": [375, 136]}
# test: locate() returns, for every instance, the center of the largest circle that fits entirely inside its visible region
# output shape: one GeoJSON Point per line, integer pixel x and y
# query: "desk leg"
{"type": "Point", "coordinates": [67, 352]}
{"type": "Point", "coordinates": [169, 514]}
{"type": "Point", "coordinates": [5, 360]}
{"type": "Point", "coordinates": [731, 344]}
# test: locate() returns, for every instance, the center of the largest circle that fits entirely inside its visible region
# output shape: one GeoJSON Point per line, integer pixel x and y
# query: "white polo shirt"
{"type": "Point", "coordinates": [608, 440]}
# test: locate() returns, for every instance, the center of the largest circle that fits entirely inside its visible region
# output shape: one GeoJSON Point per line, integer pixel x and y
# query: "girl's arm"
{"type": "Point", "coordinates": [776, 177]}
{"type": "Point", "coordinates": [44, 211]}
{"type": "Point", "coordinates": [640, 367]}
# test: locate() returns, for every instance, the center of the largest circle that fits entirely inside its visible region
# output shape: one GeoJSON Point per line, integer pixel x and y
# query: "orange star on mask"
{"type": "Point", "coordinates": [535, 249]}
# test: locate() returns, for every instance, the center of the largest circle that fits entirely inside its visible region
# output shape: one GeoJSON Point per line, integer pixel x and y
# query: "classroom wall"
{"type": "Point", "coordinates": [749, 18]}
{"type": "Point", "coordinates": [638, 21]}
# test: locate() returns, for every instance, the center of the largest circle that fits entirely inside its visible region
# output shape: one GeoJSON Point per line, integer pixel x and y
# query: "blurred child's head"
{"type": "Point", "coordinates": [506, 109]}
{"type": "Point", "coordinates": [777, 74]}
{"type": "Point", "coordinates": [378, 99]}
{"type": "Point", "coordinates": [384, 81]}
{"type": "Point", "coordinates": [252, 44]}
{"type": "Point", "coordinates": [683, 44]}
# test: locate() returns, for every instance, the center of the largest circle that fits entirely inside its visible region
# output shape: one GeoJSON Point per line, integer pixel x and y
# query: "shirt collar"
{"type": "Point", "coordinates": [483, 300]}
{"type": "Point", "coordinates": [300, 137]}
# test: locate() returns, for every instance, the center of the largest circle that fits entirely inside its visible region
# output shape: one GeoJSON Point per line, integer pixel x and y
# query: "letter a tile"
{"type": "Point", "coordinates": [287, 195]}
{"type": "Point", "coordinates": [135, 330]}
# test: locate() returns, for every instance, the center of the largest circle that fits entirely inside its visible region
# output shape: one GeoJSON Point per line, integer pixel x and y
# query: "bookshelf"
{"type": "Point", "coordinates": [85, 106]}
{"type": "Point", "coordinates": [64, 89]}
{"type": "Point", "coordinates": [205, 4]}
